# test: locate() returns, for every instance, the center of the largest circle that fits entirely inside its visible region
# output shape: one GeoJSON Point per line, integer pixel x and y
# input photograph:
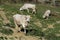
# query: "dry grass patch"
{"type": "Point", "coordinates": [59, 30]}
{"type": "Point", "coordinates": [38, 23]}
{"type": "Point", "coordinates": [57, 21]}
{"type": "Point", "coordinates": [44, 29]}
{"type": "Point", "coordinates": [50, 25]}
{"type": "Point", "coordinates": [31, 38]}
{"type": "Point", "coordinates": [57, 34]}
{"type": "Point", "coordinates": [19, 36]}
{"type": "Point", "coordinates": [5, 20]}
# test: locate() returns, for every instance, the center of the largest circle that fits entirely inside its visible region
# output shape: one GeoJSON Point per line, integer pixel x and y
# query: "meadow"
{"type": "Point", "coordinates": [49, 29]}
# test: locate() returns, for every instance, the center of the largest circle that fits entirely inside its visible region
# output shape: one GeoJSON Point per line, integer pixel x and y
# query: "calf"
{"type": "Point", "coordinates": [21, 20]}
{"type": "Point", "coordinates": [46, 14]}
{"type": "Point", "coordinates": [28, 6]}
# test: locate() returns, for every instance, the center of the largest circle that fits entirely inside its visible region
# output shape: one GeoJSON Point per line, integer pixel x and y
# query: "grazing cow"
{"type": "Point", "coordinates": [28, 6]}
{"type": "Point", "coordinates": [21, 20]}
{"type": "Point", "coordinates": [46, 14]}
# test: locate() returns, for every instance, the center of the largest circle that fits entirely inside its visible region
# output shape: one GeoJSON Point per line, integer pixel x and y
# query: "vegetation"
{"type": "Point", "coordinates": [37, 23]}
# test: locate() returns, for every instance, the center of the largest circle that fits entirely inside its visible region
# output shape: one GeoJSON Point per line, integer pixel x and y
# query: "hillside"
{"type": "Point", "coordinates": [48, 29]}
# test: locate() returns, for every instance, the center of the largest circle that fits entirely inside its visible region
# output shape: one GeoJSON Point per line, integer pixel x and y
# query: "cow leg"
{"type": "Point", "coordinates": [19, 28]}
{"type": "Point", "coordinates": [28, 10]}
{"type": "Point", "coordinates": [33, 11]}
{"type": "Point", "coordinates": [47, 18]}
{"type": "Point", "coordinates": [24, 30]}
{"type": "Point", "coordinates": [16, 26]}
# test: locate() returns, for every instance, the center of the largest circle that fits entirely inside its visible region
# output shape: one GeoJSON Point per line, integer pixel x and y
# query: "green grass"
{"type": "Point", "coordinates": [6, 31]}
{"type": "Point", "coordinates": [10, 10]}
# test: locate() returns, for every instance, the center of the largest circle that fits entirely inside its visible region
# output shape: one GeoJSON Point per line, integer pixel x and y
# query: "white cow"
{"type": "Point", "coordinates": [46, 14]}
{"type": "Point", "coordinates": [21, 20]}
{"type": "Point", "coordinates": [28, 6]}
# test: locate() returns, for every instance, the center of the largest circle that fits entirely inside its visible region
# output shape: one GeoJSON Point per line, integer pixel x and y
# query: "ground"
{"type": "Point", "coordinates": [47, 29]}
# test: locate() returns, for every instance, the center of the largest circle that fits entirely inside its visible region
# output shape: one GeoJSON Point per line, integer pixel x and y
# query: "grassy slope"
{"type": "Point", "coordinates": [49, 33]}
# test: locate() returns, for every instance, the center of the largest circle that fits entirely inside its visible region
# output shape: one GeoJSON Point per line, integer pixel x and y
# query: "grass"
{"type": "Point", "coordinates": [6, 31]}
{"type": "Point", "coordinates": [10, 10]}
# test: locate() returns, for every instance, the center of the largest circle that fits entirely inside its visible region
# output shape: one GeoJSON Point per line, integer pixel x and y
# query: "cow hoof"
{"type": "Point", "coordinates": [18, 31]}
{"type": "Point", "coordinates": [25, 32]}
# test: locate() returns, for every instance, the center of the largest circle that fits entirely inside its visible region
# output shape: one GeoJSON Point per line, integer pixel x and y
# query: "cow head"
{"type": "Point", "coordinates": [28, 18]}
{"type": "Point", "coordinates": [21, 8]}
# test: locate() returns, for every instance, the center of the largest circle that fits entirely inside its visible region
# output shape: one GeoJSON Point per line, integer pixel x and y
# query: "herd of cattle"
{"type": "Point", "coordinates": [21, 21]}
